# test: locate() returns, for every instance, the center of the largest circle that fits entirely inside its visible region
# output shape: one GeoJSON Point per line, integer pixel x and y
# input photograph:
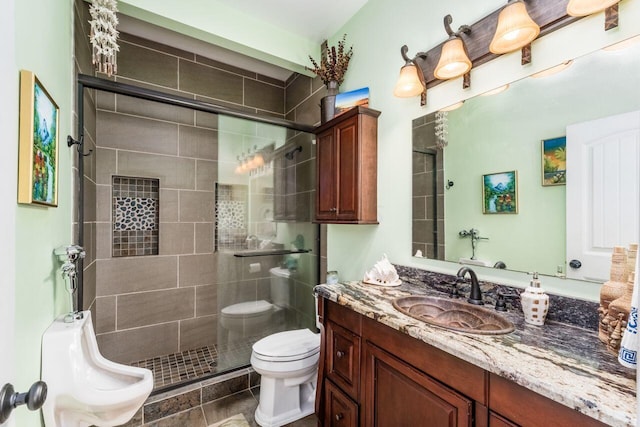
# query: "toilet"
{"type": "Point", "coordinates": [288, 365]}
{"type": "Point", "coordinates": [249, 318]}
{"type": "Point", "coordinates": [84, 388]}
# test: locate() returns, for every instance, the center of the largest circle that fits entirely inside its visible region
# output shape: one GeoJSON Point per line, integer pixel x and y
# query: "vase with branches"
{"type": "Point", "coordinates": [334, 64]}
{"type": "Point", "coordinates": [331, 70]}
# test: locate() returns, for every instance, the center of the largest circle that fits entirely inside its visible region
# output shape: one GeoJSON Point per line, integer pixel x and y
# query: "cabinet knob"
{"type": "Point", "coordinates": [333, 209]}
{"type": "Point", "coordinates": [339, 354]}
{"type": "Point", "coordinates": [339, 416]}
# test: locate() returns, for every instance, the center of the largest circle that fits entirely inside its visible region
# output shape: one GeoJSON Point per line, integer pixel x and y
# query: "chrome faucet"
{"type": "Point", "coordinates": [475, 296]}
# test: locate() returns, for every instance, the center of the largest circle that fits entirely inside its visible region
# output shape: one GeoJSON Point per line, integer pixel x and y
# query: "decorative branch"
{"type": "Point", "coordinates": [334, 67]}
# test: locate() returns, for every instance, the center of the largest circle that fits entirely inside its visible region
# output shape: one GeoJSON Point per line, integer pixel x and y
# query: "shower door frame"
{"type": "Point", "coordinates": [90, 82]}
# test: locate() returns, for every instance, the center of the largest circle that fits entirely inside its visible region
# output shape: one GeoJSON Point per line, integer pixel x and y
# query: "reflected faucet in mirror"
{"type": "Point", "coordinates": [475, 237]}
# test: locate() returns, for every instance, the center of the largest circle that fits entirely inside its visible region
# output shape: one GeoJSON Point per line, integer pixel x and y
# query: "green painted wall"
{"type": "Point", "coordinates": [377, 32]}
{"type": "Point", "coordinates": [43, 45]}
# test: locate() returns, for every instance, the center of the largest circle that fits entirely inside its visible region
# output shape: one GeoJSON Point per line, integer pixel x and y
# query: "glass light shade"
{"type": "Point", "coordinates": [515, 29]}
{"type": "Point", "coordinates": [409, 83]}
{"type": "Point", "coordinates": [588, 7]}
{"type": "Point", "coordinates": [454, 61]}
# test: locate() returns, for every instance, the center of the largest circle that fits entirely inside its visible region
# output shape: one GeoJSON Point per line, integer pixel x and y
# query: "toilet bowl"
{"type": "Point", "coordinates": [250, 318]}
{"type": "Point", "coordinates": [288, 365]}
{"type": "Point", "coordinates": [84, 388]}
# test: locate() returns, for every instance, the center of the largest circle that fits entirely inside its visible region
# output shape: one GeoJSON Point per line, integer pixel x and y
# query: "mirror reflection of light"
{"type": "Point", "coordinates": [452, 107]}
{"type": "Point", "coordinates": [623, 44]}
{"type": "Point", "coordinates": [496, 90]}
{"type": "Point", "coordinates": [553, 70]}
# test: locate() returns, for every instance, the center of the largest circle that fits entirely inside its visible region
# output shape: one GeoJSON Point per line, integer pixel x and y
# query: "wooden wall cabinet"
{"type": "Point", "coordinates": [373, 375]}
{"type": "Point", "coordinates": [347, 168]}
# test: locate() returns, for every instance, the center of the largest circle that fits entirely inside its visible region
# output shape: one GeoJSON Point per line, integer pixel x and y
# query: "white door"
{"type": "Point", "coordinates": [603, 192]}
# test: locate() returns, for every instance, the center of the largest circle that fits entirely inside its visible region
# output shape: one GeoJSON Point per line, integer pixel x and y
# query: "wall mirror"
{"type": "Point", "coordinates": [483, 198]}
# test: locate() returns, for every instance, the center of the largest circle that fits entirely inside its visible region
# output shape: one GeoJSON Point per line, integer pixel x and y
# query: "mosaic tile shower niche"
{"type": "Point", "coordinates": [135, 216]}
{"type": "Point", "coordinates": [231, 216]}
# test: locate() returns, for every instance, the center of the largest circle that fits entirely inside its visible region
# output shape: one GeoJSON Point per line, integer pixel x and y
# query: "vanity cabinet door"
{"type": "Point", "coordinates": [340, 410]}
{"type": "Point", "coordinates": [396, 394]}
{"type": "Point", "coordinates": [343, 359]}
{"type": "Point", "coordinates": [326, 176]}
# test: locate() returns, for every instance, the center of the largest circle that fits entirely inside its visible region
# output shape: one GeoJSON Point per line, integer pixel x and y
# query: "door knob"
{"type": "Point", "coordinates": [575, 263]}
{"type": "Point", "coordinates": [9, 399]}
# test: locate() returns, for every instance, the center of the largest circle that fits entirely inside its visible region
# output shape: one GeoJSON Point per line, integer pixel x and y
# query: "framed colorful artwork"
{"type": "Point", "coordinates": [500, 193]}
{"type": "Point", "coordinates": [38, 151]}
{"type": "Point", "coordinates": [554, 161]}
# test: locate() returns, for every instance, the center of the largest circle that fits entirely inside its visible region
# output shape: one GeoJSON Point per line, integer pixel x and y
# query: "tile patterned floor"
{"type": "Point", "coordinates": [189, 365]}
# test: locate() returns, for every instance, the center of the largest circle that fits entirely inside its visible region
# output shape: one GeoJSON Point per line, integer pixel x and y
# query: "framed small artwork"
{"type": "Point", "coordinates": [500, 193]}
{"type": "Point", "coordinates": [348, 100]}
{"type": "Point", "coordinates": [38, 152]}
{"type": "Point", "coordinates": [554, 161]}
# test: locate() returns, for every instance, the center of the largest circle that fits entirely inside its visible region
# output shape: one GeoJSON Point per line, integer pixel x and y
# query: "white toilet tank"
{"type": "Point", "coordinates": [280, 286]}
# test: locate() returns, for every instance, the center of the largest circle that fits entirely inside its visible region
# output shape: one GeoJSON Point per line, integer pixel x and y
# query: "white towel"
{"type": "Point", "coordinates": [628, 355]}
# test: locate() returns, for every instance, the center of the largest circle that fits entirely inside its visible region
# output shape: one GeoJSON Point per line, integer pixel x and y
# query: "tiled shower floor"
{"type": "Point", "coordinates": [176, 368]}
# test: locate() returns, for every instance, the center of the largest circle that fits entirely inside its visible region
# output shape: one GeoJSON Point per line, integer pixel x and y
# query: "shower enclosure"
{"type": "Point", "coordinates": [197, 219]}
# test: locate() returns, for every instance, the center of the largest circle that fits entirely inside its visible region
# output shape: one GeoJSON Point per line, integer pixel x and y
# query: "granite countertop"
{"type": "Point", "coordinates": [565, 363]}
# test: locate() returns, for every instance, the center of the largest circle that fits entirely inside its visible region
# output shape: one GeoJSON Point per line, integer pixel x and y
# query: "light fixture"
{"type": "Point", "coordinates": [411, 80]}
{"type": "Point", "coordinates": [515, 28]}
{"type": "Point", "coordinates": [553, 70]}
{"type": "Point", "coordinates": [588, 7]}
{"type": "Point", "coordinates": [454, 61]}
{"type": "Point", "coordinates": [252, 163]}
{"type": "Point", "coordinates": [496, 90]}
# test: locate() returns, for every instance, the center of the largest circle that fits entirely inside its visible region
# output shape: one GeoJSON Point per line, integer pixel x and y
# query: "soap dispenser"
{"type": "Point", "coordinates": [535, 302]}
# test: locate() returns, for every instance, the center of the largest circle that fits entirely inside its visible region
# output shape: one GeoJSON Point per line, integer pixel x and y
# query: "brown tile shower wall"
{"type": "Point", "coordinates": [423, 193]}
{"type": "Point", "coordinates": [154, 305]}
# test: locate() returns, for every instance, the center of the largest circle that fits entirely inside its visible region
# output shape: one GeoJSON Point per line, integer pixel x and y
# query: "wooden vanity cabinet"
{"type": "Point", "coordinates": [373, 375]}
{"type": "Point", "coordinates": [346, 168]}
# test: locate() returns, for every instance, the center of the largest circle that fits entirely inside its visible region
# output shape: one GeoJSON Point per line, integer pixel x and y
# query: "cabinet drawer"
{"type": "Point", "coordinates": [343, 358]}
{"type": "Point", "coordinates": [340, 410]}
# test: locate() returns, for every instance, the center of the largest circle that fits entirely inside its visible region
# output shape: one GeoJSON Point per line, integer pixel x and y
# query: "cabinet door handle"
{"type": "Point", "coordinates": [339, 354]}
{"type": "Point", "coordinates": [339, 416]}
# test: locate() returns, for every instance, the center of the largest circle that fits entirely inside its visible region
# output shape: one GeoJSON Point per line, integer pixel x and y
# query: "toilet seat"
{"type": "Point", "coordinates": [287, 346]}
{"type": "Point", "coordinates": [247, 309]}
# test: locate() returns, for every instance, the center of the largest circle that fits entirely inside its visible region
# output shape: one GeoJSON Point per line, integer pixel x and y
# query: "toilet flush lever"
{"type": "Point", "coordinates": [9, 399]}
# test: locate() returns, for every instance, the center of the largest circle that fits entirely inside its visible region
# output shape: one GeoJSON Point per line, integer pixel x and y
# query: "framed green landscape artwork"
{"type": "Point", "coordinates": [554, 161]}
{"type": "Point", "coordinates": [500, 193]}
{"type": "Point", "coordinates": [38, 151]}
